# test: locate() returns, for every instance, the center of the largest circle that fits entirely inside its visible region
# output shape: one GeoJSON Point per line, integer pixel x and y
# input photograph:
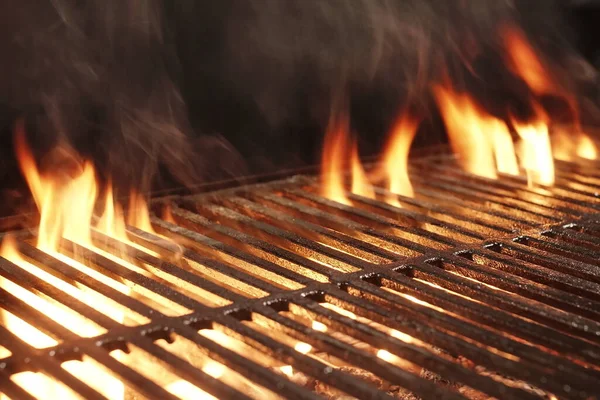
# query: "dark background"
{"type": "Point", "coordinates": [231, 136]}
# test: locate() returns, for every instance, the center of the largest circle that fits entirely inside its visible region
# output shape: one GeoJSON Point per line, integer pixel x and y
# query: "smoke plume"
{"type": "Point", "coordinates": [204, 89]}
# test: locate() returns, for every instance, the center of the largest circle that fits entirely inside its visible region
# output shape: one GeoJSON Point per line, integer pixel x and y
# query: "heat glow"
{"type": "Point", "coordinates": [534, 149]}
{"type": "Point", "coordinates": [482, 142]}
{"type": "Point", "coordinates": [332, 163]}
{"type": "Point", "coordinates": [395, 157]}
{"type": "Point", "coordinates": [567, 144]}
{"type": "Point", "coordinates": [339, 152]}
{"type": "Point", "coordinates": [360, 183]}
{"type": "Point", "coordinates": [66, 198]}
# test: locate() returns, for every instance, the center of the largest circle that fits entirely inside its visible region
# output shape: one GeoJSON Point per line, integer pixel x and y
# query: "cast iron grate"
{"type": "Point", "coordinates": [477, 288]}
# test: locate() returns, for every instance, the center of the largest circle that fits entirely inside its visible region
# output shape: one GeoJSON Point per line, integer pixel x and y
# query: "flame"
{"type": "Point", "coordinates": [567, 145]}
{"type": "Point", "coordinates": [360, 183]}
{"type": "Point", "coordinates": [502, 144]}
{"type": "Point", "coordinates": [586, 148]}
{"type": "Point", "coordinates": [482, 142]}
{"type": "Point", "coordinates": [332, 163]}
{"type": "Point", "coordinates": [528, 66]}
{"type": "Point", "coordinates": [525, 62]}
{"type": "Point", "coordinates": [168, 214]}
{"type": "Point", "coordinates": [395, 157]}
{"type": "Point", "coordinates": [338, 151]}
{"type": "Point", "coordinates": [112, 221]}
{"type": "Point", "coordinates": [66, 198]}
{"type": "Point", "coordinates": [534, 149]}
{"type": "Point", "coordinates": [138, 214]}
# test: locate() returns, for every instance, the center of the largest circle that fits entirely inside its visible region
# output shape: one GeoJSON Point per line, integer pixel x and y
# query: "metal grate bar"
{"type": "Point", "coordinates": [476, 287]}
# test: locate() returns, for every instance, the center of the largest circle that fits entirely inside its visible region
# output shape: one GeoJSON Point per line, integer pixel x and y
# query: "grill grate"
{"type": "Point", "coordinates": [477, 288]}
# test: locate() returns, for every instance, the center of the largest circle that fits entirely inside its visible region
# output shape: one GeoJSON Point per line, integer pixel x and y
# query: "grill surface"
{"type": "Point", "coordinates": [477, 288]}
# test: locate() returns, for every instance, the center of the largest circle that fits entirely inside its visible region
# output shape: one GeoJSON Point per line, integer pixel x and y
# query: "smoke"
{"type": "Point", "coordinates": [200, 89]}
{"type": "Point", "coordinates": [99, 75]}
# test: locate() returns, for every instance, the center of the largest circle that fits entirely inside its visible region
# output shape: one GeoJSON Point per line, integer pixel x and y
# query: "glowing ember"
{"type": "Point", "coordinates": [386, 355]}
{"type": "Point", "coordinates": [287, 370]}
{"type": "Point", "coordinates": [317, 326]}
{"type": "Point", "coordinates": [339, 310]}
{"type": "Point", "coordinates": [395, 158]}
{"type": "Point", "coordinates": [302, 347]}
{"type": "Point", "coordinates": [186, 391]}
{"type": "Point", "coordinates": [401, 336]}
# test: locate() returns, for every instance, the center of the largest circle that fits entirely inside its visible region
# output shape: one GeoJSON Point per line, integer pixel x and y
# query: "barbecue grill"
{"type": "Point", "coordinates": [477, 288]}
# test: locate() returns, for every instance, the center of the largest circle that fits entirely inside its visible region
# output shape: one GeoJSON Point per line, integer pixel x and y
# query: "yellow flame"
{"type": "Point", "coordinates": [482, 142]}
{"type": "Point", "coordinates": [502, 145]}
{"type": "Point", "coordinates": [529, 67]}
{"type": "Point", "coordinates": [332, 163]}
{"type": "Point", "coordinates": [66, 197]}
{"type": "Point", "coordinates": [395, 157]}
{"type": "Point", "coordinates": [525, 62]}
{"type": "Point", "coordinates": [535, 151]}
{"type": "Point", "coordinates": [317, 326]}
{"type": "Point", "coordinates": [586, 148]}
{"type": "Point", "coordinates": [567, 145]}
{"type": "Point", "coordinates": [360, 183]}
{"type": "Point", "coordinates": [112, 222]}
{"type": "Point", "coordinates": [138, 214]}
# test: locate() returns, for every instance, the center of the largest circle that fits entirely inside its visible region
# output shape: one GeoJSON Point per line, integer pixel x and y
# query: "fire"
{"type": "Point", "coordinates": [525, 62]}
{"type": "Point", "coordinates": [567, 147]}
{"type": "Point", "coordinates": [66, 199]}
{"type": "Point", "coordinates": [586, 148]}
{"type": "Point", "coordinates": [395, 158]}
{"type": "Point", "coordinates": [139, 216]}
{"type": "Point", "coordinates": [482, 142]}
{"type": "Point", "coordinates": [360, 183]}
{"type": "Point", "coordinates": [332, 163]}
{"type": "Point", "coordinates": [528, 66]}
{"type": "Point", "coordinates": [535, 151]}
{"type": "Point", "coordinates": [338, 151]}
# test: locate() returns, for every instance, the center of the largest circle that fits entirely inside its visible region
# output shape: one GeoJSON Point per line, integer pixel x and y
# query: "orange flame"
{"type": "Point", "coordinates": [525, 62]}
{"type": "Point", "coordinates": [528, 66]}
{"type": "Point", "coordinates": [138, 214]}
{"type": "Point", "coordinates": [66, 198]}
{"type": "Point", "coordinates": [360, 183]}
{"type": "Point", "coordinates": [395, 157]}
{"type": "Point", "coordinates": [535, 152]}
{"type": "Point", "coordinates": [332, 163]}
{"type": "Point", "coordinates": [338, 151]}
{"type": "Point", "coordinates": [482, 142]}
